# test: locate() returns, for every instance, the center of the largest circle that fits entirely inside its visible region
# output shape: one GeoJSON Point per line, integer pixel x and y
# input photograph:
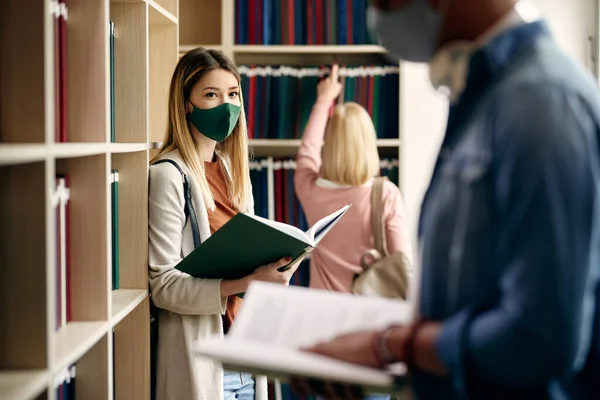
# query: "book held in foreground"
{"type": "Point", "coordinates": [276, 321]}
{"type": "Point", "coordinates": [247, 242]}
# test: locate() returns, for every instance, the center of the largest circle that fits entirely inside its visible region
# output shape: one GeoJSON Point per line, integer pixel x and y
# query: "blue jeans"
{"type": "Point", "coordinates": [238, 385]}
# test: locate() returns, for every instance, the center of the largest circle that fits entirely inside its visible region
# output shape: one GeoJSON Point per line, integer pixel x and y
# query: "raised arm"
{"type": "Point", "coordinates": [172, 289]}
{"type": "Point", "coordinates": [308, 160]}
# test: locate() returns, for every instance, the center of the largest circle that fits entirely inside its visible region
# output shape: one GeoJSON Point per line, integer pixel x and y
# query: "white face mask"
{"type": "Point", "coordinates": [410, 33]}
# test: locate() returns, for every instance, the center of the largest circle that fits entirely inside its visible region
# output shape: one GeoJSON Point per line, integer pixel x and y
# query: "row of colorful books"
{"type": "Point", "coordinates": [278, 99]}
{"type": "Point", "coordinates": [60, 16]}
{"type": "Point", "coordinates": [61, 203]}
{"type": "Point", "coordinates": [306, 22]}
{"type": "Point", "coordinates": [64, 383]}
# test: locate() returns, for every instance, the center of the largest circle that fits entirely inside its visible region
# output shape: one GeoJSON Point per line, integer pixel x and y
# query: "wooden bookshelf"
{"type": "Point", "coordinates": [107, 336]}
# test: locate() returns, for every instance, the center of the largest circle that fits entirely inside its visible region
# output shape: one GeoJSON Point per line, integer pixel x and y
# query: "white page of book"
{"type": "Point", "coordinates": [276, 320]}
{"type": "Point", "coordinates": [292, 317]}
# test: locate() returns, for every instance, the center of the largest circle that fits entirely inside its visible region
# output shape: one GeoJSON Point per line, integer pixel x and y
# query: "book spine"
{"type": "Point", "coordinates": [115, 228]}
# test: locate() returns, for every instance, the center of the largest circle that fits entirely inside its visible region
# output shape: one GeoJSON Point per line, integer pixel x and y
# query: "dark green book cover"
{"type": "Point", "coordinates": [115, 227]}
{"type": "Point", "coordinates": [247, 242]}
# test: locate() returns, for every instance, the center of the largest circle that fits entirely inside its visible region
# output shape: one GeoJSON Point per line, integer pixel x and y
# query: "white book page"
{"type": "Point", "coordinates": [282, 363]}
{"type": "Point", "coordinates": [292, 317]}
{"type": "Point", "coordinates": [285, 228]}
{"type": "Point", "coordinates": [320, 228]}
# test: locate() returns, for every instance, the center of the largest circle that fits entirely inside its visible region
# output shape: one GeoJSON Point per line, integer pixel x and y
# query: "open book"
{"type": "Point", "coordinates": [275, 321]}
{"type": "Point", "coordinates": [247, 242]}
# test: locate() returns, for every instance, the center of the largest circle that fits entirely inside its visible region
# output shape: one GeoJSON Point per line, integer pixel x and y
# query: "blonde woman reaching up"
{"type": "Point", "coordinates": [336, 164]}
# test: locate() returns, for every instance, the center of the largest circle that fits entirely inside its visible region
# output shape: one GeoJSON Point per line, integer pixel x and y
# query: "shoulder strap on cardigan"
{"type": "Point", "coordinates": [377, 225]}
{"type": "Point", "coordinates": [189, 206]}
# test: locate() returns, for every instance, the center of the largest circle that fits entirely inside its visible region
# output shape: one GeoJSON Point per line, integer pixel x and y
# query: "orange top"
{"type": "Point", "coordinates": [223, 212]}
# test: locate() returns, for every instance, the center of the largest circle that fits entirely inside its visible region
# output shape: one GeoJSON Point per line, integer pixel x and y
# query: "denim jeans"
{"type": "Point", "coordinates": [238, 385]}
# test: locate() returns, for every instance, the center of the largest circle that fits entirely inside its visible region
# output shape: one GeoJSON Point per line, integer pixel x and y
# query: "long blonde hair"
{"type": "Point", "coordinates": [349, 152]}
{"type": "Point", "coordinates": [233, 150]}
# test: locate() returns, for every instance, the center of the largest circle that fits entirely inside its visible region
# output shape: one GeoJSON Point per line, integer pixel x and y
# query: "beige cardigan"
{"type": "Point", "coordinates": [190, 308]}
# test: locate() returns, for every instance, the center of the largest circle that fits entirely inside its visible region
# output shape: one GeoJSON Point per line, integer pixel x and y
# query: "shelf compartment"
{"type": "Point", "coordinates": [133, 219]}
{"type": "Point", "coordinates": [23, 384]}
{"type": "Point", "coordinates": [200, 22]}
{"type": "Point", "coordinates": [158, 15]}
{"type": "Point", "coordinates": [87, 250]}
{"type": "Point", "coordinates": [163, 56]}
{"type": "Point", "coordinates": [87, 39]}
{"type": "Point", "coordinates": [124, 301]}
{"type": "Point", "coordinates": [92, 371]}
{"type": "Point", "coordinates": [74, 340]}
{"type": "Point", "coordinates": [24, 97]}
{"type": "Point", "coordinates": [23, 254]}
{"type": "Point", "coordinates": [132, 354]}
{"type": "Point", "coordinates": [130, 54]}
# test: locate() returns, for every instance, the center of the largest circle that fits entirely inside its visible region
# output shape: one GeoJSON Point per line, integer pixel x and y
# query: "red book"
{"type": "Point", "coordinates": [252, 21]}
{"type": "Point", "coordinates": [278, 191]}
{"type": "Point", "coordinates": [290, 24]}
{"type": "Point", "coordinates": [259, 22]}
{"type": "Point", "coordinates": [284, 195]}
{"type": "Point", "coordinates": [62, 32]}
{"type": "Point", "coordinates": [370, 100]}
{"type": "Point", "coordinates": [57, 245]}
{"type": "Point", "coordinates": [319, 12]}
{"type": "Point", "coordinates": [57, 110]}
{"type": "Point", "coordinates": [349, 31]}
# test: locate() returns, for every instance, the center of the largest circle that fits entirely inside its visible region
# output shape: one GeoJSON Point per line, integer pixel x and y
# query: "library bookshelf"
{"type": "Point", "coordinates": [106, 334]}
{"type": "Point", "coordinates": [211, 24]}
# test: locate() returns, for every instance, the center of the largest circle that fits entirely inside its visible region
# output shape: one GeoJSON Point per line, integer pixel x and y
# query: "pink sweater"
{"type": "Point", "coordinates": [337, 258]}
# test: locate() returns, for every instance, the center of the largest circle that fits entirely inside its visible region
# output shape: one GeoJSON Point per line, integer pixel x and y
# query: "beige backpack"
{"type": "Point", "coordinates": [384, 274]}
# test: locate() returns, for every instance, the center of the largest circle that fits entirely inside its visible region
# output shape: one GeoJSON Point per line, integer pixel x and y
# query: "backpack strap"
{"type": "Point", "coordinates": [189, 206]}
{"type": "Point", "coordinates": [377, 224]}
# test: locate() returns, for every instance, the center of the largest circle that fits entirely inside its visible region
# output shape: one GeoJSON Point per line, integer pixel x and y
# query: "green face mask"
{"type": "Point", "coordinates": [216, 123]}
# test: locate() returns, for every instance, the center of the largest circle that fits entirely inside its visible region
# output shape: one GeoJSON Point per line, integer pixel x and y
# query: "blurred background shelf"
{"type": "Point", "coordinates": [124, 301]}
{"type": "Point", "coordinates": [74, 340]}
{"type": "Point", "coordinates": [22, 385]}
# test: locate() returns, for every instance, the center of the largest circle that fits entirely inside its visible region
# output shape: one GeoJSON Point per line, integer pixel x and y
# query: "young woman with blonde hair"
{"type": "Point", "coordinates": [207, 139]}
{"type": "Point", "coordinates": [336, 164]}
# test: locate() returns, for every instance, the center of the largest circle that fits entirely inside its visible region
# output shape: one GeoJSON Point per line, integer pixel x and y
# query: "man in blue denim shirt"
{"type": "Point", "coordinates": [510, 225]}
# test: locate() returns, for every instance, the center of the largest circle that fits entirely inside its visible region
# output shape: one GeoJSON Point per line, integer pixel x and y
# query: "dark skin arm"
{"type": "Point", "coordinates": [356, 348]}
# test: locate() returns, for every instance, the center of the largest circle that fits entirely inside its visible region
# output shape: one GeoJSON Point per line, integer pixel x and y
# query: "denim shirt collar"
{"type": "Point", "coordinates": [490, 63]}
{"type": "Point", "coordinates": [500, 53]}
